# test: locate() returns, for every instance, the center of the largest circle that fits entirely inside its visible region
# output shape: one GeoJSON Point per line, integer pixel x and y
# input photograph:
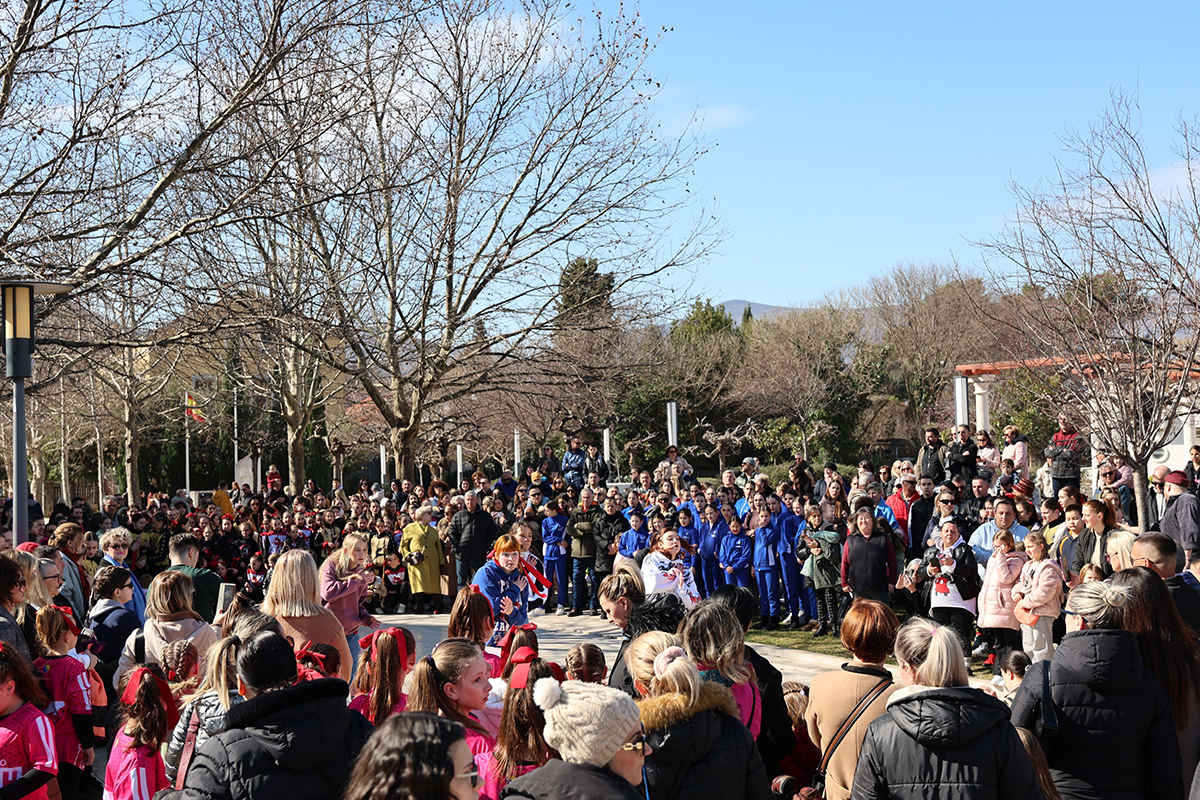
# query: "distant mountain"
{"type": "Point", "coordinates": [734, 308]}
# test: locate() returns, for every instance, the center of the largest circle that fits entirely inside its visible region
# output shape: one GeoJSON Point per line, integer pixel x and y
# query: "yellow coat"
{"type": "Point", "coordinates": [423, 578]}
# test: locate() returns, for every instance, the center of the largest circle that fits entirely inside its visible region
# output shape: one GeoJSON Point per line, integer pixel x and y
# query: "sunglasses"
{"type": "Point", "coordinates": [473, 776]}
{"type": "Point", "coordinates": [638, 744]}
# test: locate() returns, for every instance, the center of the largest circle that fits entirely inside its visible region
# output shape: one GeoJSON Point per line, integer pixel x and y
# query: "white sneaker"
{"type": "Point", "coordinates": [787, 621]}
{"type": "Point", "coordinates": [982, 650]}
{"type": "Point", "coordinates": [561, 612]}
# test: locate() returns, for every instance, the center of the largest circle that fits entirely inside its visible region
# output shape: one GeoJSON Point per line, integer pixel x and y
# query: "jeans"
{"type": "Point", "coordinates": [352, 643]}
{"type": "Point", "coordinates": [581, 568]}
{"type": "Point", "coordinates": [466, 572]}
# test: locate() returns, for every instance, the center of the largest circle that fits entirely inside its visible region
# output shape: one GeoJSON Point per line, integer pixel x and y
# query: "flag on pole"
{"type": "Point", "coordinates": [193, 409]}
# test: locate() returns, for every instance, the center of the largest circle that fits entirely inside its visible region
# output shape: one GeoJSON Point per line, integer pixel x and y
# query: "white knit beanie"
{"type": "Point", "coordinates": [585, 722]}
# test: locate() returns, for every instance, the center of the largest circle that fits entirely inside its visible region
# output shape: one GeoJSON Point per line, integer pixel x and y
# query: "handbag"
{"type": "Point", "coordinates": [1045, 727]}
{"type": "Point", "coordinates": [1025, 616]}
{"type": "Point", "coordinates": [818, 783]}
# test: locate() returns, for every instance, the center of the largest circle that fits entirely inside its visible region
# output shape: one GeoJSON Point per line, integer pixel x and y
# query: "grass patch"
{"type": "Point", "coordinates": [831, 645]}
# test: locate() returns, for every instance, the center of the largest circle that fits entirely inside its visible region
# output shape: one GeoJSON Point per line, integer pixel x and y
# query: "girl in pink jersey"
{"type": "Point", "coordinates": [28, 759]}
{"type": "Point", "coordinates": [70, 708]}
{"type": "Point", "coordinates": [135, 768]}
{"type": "Point", "coordinates": [379, 681]}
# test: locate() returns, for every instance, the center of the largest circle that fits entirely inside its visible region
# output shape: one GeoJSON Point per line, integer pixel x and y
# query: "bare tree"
{"type": "Point", "coordinates": [921, 316]}
{"type": "Point", "coordinates": [1100, 290]}
{"type": "Point", "coordinates": [525, 137]}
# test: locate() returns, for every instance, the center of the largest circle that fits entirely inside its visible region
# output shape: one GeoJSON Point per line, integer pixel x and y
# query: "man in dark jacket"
{"type": "Point", "coordinates": [580, 529]}
{"type": "Point", "coordinates": [932, 458]}
{"type": "Point", "coordinates": [962, 455]}
{"type": "Point", "coordinates": [919, 514]}
{"type": "Point", "coordinates": [295, 743]}
{"type": "Point", "coordinates": [472, 532]}
{"type": "Point", "coordinates": [1181, 517]}
{"type": "Point", "coordinates": [1065, 452]}
{"type": "Point", "coordinates": [660, 612]}
{"type": "Point", "coordinates": [572, 464]}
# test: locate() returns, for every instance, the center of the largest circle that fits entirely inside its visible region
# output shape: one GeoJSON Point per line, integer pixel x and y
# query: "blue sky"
{"type": "Point", "coordinates": [854, 136]}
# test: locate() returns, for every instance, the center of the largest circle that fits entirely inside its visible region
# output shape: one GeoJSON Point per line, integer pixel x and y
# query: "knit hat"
{"type": "Point", "coordinates": [1025, 487]}
{"type": "Point", "coordinates": [1177, 477]}
{"type": "Point", "coordinates": [585, 722]}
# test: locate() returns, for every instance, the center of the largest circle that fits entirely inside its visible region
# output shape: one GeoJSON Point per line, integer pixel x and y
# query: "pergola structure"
{"type": "Point", "coordinates": [979, 377]}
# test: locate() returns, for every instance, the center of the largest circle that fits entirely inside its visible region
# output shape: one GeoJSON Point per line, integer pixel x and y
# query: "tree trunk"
{"type": "Point", "coordinates": [133, 448]}
{"type": "Point", "coordinates": [64, 457]}
{"type": "Point", "coordinates": [1141, 495]}
{"type": "Point", "coordinates": [295, 456]}
{"type": "Point", "coordinates": [37, 469]}
{"type": "Point", "coordinates": [721, 460]}
{"type": "Point", "coordinates": [404, 457]}
{"type": "Point", "coordinates": [99, 468]}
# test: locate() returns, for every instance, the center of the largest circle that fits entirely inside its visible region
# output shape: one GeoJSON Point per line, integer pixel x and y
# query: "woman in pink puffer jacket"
{"type": "Point", "coordinates": [996, 617]}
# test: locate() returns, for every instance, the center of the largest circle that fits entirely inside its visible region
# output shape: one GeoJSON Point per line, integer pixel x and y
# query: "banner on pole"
{"type": "Point", "coordinates": [193, 409]}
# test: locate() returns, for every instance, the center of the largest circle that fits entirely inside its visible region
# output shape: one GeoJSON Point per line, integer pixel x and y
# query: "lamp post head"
{"type": "Point", "coordinates": [17, 297]}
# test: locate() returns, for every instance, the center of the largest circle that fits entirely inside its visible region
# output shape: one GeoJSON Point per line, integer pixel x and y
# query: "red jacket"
{"type": "Point", "coordinates": [900, 507]}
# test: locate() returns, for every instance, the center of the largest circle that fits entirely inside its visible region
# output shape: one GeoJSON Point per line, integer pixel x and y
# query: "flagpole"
{"type": "Point", "coordinates": [187, 449]}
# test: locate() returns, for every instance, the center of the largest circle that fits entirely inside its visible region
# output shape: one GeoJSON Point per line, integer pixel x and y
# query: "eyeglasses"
{"type": "Point", "coordinates": [52, 577]}
{"type": "Point", "coordinates": [128, 585]}
{"type": "Point", "coordinates": [1072, 613]}
{"type": "Point", "coordinates": [638, 744]}
{"type": "Point", "coordinates": [473, 776]}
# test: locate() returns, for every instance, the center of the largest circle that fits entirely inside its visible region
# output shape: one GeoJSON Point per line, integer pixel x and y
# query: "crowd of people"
{"type": "Point", "coordinates": [236, 650]}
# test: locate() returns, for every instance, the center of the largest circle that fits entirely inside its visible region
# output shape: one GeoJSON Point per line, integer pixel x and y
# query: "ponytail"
{"type": "Point", "coordinates": [627, 583]}
{"type": "Point", "coordinates": [657, 661]}
{"type": "Point", "coordinates": [381, 670]}
{"type": "Point", "coordinates": [144, 707]}
{"type": "Point", "coordinates": [933, 651]}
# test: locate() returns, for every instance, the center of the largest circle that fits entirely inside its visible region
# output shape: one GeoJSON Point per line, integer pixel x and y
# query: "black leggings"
{"type": "Point", "coordinates": [69, 778]}
{"type": "Point", "coordinates": [960, 620]}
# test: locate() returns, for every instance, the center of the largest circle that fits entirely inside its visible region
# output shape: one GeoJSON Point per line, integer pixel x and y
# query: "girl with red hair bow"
{"type": "Point", "coordinates": [135, 768]}
{"type": "Point", "coordinates": [70, 708]}
{"type": "Point", "coordinates": [382, 668]}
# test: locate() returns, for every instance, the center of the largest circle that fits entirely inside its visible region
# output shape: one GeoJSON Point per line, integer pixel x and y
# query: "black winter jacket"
{"type": "Point", "coordinates": [605, 532]}
{"type": "Point", "coordinates": [558, 780]}
{"type": "Point", "coordinates": [660, 612]}
{"type": "Point", "coordinates": [472, 533]}
{"type": "Point", "coordinates": [1116, 737]}
{"type": "Point", "coordinates": [701, 751]}
{"type": "Point", "coordinates": [951, 742]}
{"type": "Point", "coordinates": [294, 744]}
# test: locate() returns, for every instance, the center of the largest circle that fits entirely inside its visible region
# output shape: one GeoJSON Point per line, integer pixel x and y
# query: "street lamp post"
{"type": "Point", "coordinates": [17, 298]}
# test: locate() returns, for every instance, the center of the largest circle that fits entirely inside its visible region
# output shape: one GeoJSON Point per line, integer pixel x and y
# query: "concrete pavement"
{"type": "Point", "coordinates": [557, 635]}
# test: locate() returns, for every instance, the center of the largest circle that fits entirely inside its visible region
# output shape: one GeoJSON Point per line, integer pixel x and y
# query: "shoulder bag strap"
{"type": "Point", "coordinates": [1049, 716]}
{"type": "Point", "coordinates": [189, 748]}
{"type": "Point", "coordinates": [853, 718]}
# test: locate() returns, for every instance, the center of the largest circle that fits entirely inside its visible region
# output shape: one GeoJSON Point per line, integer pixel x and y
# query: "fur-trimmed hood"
{"type": "Point", "coordinates": [667, 710]}
{"type": "Point", "coordinates": [701, 750]}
